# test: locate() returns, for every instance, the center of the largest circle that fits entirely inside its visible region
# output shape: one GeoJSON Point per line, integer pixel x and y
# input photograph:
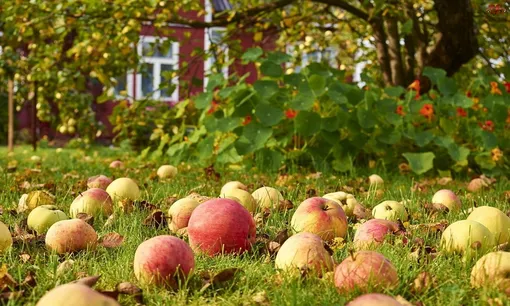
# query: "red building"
{"type": "Point", "coordinates": [185, 54]}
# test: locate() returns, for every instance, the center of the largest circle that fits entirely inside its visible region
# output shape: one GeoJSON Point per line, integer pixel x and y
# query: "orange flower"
{"type": "Point", "coordinates": [427, 111]}
{"type": "Point", "coordinates": [247, 120]}
{"type": "Point", "coordinates": [507, 86]}
{"type": "Point", "coordinates": [416, 87]}
{"type": "Point", "coordinates": [494, 89]}
{"type": "Point", "coordinates": [213, 108]}
{"type": "Point", "coordinates": [400, 110]}
{"type": "Point", "coordinates": [290, 113]}
{"type": "Point", "coordinates": [487, 126]}
{"type": "Point", "coordinates": [461, 112]}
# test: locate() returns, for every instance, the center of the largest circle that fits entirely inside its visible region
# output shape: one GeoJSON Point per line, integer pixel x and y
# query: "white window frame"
{"type": "Point", "coordinates": [156, 81]}
{"type": "Point", "coordinates": [208, 63]}
{"type": "Point", "coordinates": [305, 56]}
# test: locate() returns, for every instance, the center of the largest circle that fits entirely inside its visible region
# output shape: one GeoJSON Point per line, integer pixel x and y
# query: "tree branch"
{"type": "Point", "coordinates": [347, 7]}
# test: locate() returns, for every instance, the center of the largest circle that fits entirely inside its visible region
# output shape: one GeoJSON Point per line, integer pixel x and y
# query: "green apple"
{"type": "Point", "coordinates": [94, 202]}
{"type": "Point", "coordinates": [268, 198]}
{"type": "Point", "coordinates": [167, 172]}
{"type": "Point", "coordinates": [346, 200]}
{"type": "Point", "coordinates": [495, 220]}
{"type": "Point", "coordinates": [123, 189]}
{"type": "Point", "coordinates": [466, 236]}
{"type": "Point", "coordinates": [243, 197]}
{"type": "Point", "coordinates": [43, 217]}
{"type": "Point", "coordinates": [232, 185]}
{"type": "Point", "coordinates": [5, 237]}
{"type": "Point", "coordinates": [390, 210]}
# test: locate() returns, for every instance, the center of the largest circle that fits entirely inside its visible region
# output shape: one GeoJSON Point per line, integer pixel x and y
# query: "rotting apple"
{"type": "Point", "coordinates": [374, 299]}
{"type": "Point", "coordinates": [232, 185]}
{"type": "Point", "coordinates": [117, 164]}
{"type": "Point", "coordinates": [268, 198]}
{"type": "Point", "coordinates": [5, 237]}
{"type": "Point", "coordinates": [72, 235]}
{"type": "Point", "coordinates": [375, 180]}
{"type": "Point", "coordinates": [346, 200]}
{"type": "Point", "coordinates": [320, 216]}
{"type": "Point", "coordinates": [373, 233]}
{"type": "Point", "coordinates": [95, 202]}
{"type": "Point", "coordinates": [98, 181]}
{"type": "Point", "coordinates": [492, 270]}
{"type": "Point", "coordinates": [180, 212]}
{"type": "Point", "coordinates": [390, 210]}
{"type": "Point", "coordinates": [163, 260]}
{"type": "Point", "coordinates": [304, 252]}
{"type": "Point", "coordinates": [448, 198]}
{"type": "Point", "coordinates": [123, 189]}
{"type": "Point", "coordinates": [166, 172]}
{"type": "Point", "coordinates": [245, 198]}
{"type": "Point", "coordinates": [41, 218]}
{"type": "Point", "coordinates": [75, 295]}
{"type": "Point", "coordinates": [495, 220]}
{"type": "Point", "coordinates": [466, 236]}
{"type": "Point", "coordinates": [221, 226]}
{"type": "Point", "coordinates": [365, 270]}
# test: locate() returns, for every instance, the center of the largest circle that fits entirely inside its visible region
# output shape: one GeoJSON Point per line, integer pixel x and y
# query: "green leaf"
{"type": "Point", "coordinates": [257, 134]}
{"type": "Point", "coordinates": [390, 138]}
{"type": "Point", "coordinates": [279, 57]}
{"type": "Point", "coordinates": [434, 74]}
{"type": "Point", "coordinates": [499, 113]}
{"type": "Point", "coordinates": [447, 86]}
{"type": "Point", "coordinates": [252, 54]}
{"type": "Point", "coordinates": [330, 124]}
{"type": "Point", "coordinates": [461, 100]}
{"type": "Point", "coordinates": [489, 140]}
{"type": "Point", "coordinates": [443, 141]}
{"type": "Point", "coordinates": [228, 124]}
{"type": "Point", "coordinates": [226, 142]}
{"type": "Point", "coordinates": [458, 153]}
{"type": "Point", "coordinates": [485, 160]}
{"type": "Point", "coordinates": [342, 164]}
{"type": "Point", "coordinates": [266, 88]}
{"type": "Point", "coordinates": [447, 125]}
{"type": "Point", "coordinates": [268, 115]}
{"type": "Point", "coordinates": [302, 102]}
{"type": "Point", "coordinates": [420, 162]}
{"type": "Point", "coordinates": [271, 69]}
{"type": "Point", "coordinates": [203, 100]}
{"type": "Point", "coordinates": [407, 27]}
{"type": "Point", "coordinates": [205, 147]}
{"type": "Point", "coordinates": [366, 119]}
{"type": "Point", "coordinates": [317, 84]}
{"type": "Point", "coordinates": [308, 123]}
{"type": "Point", "coordinates": [269, 159]}
{"type": "Point", "coordinates": [423, 138]}
{"type": "Point", "coordinates": [337, 97]}
{"type": "Point", "coordinates": [229, 156]}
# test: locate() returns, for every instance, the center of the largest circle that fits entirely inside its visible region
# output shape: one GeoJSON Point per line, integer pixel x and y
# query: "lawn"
{"type": "Point", "coordinates": [257, 282]}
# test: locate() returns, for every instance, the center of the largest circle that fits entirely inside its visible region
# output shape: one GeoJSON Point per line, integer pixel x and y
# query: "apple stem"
{"type": "Point", "coordinates": [351, 252]}
{"type": "Point", "coordinates": [80, 194]}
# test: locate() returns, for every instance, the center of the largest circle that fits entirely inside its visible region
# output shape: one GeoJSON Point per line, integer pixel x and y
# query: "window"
{"type": "Point", "coordinates": [327, 54]}
{"type": "Point", "coordinates": [157, 69]}
{"type": "Point", "coordinates": [216, 49]}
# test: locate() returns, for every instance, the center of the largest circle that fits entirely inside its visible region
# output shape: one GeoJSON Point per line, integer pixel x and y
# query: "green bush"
{"type": "Point", "coordinates": [314, 119]}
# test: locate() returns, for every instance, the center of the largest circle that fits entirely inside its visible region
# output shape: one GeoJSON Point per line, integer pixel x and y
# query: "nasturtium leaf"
{"type": "Point", "coordinates": [252, 54]}
{"type": "Point", "coordinates": [485, 160]}
{"type": "Point", "coordinates": [302, 101]}
{"type": "Point", "coordinates": [420, 162]}
{"type": "Point", "coordinates": [271, 69]}
{"type": "Point", "coordinates": [458, 153]}
{"type": "Point", "coordinates": [265, 88]}
{"type": "Point", "coordinates": [330, 124]}
{"type": "Point", "coordinates": [434, 74]}
{"type": "Point", "coordinates": [366, 118]}
{"type": "Point", "coordinates": [423, 138]}
{"type": "Point", "coordinates": [268, 115]}
{"type": "Point", "coordinates": [390, 137]}
{"type": "Point", "coordinates": [203, 100]}
{"type": "Point", "coordinates": [317, 84]}
{"type": "Point", "coordinates": [257, 134]}
{"type": "Point", "coordinates": [270, 159]}
{"type": "Point", "coordinates": [308, 123]}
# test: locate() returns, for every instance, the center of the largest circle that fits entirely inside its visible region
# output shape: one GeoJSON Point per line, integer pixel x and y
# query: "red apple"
{"type": "Point", "coordinates": [98, 181]}
{"type": "Point", "coordinates": [70, 236]}
{"type": "Point", "coordinates": [221, 225]}
{"type": "Point", "coordinates": [365, 270]}
{"type": "Point", "coordinates": [163, 260]}
{"type": "Point", "coordinates": [372, 299]}
{"type": "Point", "coordinates": [448, 198]}
{"type": "Point", "coordinates": [373, 232]}
{"type": "Point", "coordinates": [95, 202]}
{"type": "Point", "coordinates": [320, 216]}
{"type": "Point", "coordinates": [117, 164]}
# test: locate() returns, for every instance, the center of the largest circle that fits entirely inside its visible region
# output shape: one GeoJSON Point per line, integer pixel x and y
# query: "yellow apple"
{"type": "Point", "coordinates": [75, 295]}
{"type": "Point", "coordinates": [180, 212]}
{"type": "Point", "coordinates": [244, 197]}
{"type": "Point", "coordinates": [233, 185]}
{"type": "Point", "coordinates": [492, 269]}
{"type": "Point", "coordinates": [5, 237]}
{"type": "Point", "coordinates": [167, 172]}
{"type": "Point", "coordinates": [495, 220]}
{"type": "Point", "coordinates": [448, 198]}
{"type": "Point", "coordinates": [123, 189]}
{"type": "Point", "coordinates": [268, 198]}
{"type": "Point", "coordinates": [346, 200]}
{"type": "Point", "coordinates": [390, 210]}
{"type": "Point", "coordinates": [463, 236]}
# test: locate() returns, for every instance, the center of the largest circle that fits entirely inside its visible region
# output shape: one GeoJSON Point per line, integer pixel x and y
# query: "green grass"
{"type": "Point", "coordinates": [258, 272]}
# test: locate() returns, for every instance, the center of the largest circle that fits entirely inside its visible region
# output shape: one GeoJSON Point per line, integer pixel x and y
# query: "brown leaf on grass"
{"type": "Point", "coordinates": [11, 295]}
{"type": "Point", "coordinates": [156, 219]}
{"type": "Point", "coordinates": [223, 276]}
{"type": "Point", "coordinates": [328, 248]}
{"type": "Point", "coordinates": [311, 193]}
{"type": "Point", "coordinates": [444, 181]}
{"type": "Point", "coordinates": [282, 236]}
{"type": "Point", "coordinates": [29, 281]}
{"type": "Point", "coordinates": [24, 257]}
{"type": "Point", "coordinates": [28, 238]}
{"type": "Point", "coordinates": [72, 174]}
{"type": "Point", "coordinates": [153, 176]}
{"type": "Point", "coordinates": [6, 280]}
{"type": "Point", "coordinates": [403, 301]}
{"type": "Point", "coordinates": [109, 221]}
{"type": "Point", "coordinates": [128, 288]}
{"type": "Point", "coordinates": [436, 208]}
{"type": "Point", "coordinates": [504, 246]}
{"type": "Point", "coordinates": [210, 172]}
{"type": "Point", "coordinates": [111, 240]}
{"type": "Point", "coordinates": [426, 228]}
{"type": "Point", "coordinates": [111, 294]}
{"type": "Point", "coordinates": [506, 196]}
{"type": "Point", "coordinates": [273, 247]}
{"type": "Point", "coordinates": [170, 200]}
{"type": "Point", "coordinates": [144, 205]}
{"type": "Point", "coordinates": [89, 281]}
{"type": "Point", "coordinates": [86, 217]}
{"type": "Point", "coordinates": [260, 298]}
{"type": "Point", "coordinates": [286, 205]}
{"type": "Point", "coordinates": [422, 283]}
{"type": "Point", "coordinates": [420, 187]}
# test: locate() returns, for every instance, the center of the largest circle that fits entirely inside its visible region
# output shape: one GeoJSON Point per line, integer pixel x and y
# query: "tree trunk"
{"type": "Point", "coordinates": [10, 131]}
{"type": "Point", "coordinates": [382, 50]}
{"type": "Point", "coordinates": [395, 58]}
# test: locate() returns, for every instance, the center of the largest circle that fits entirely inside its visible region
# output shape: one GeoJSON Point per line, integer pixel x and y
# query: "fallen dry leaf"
{"type": "Point", "coordinates": [24, 257]}
{"type": "Point", "coordinates": [422, 283]}
{"type": "Point", "coordinates": [156, 219]}
{"type": "Point", "coordinates": [220, 277]}
{"type": "Point", "coordinates": [10, 295]}
{"type": "Point", "coordinates": [260, 298]}
{"type": "Point", "coordinates": [444, 181]}
{"type": "Point", "coordinates": [6, 280]}
{"type": "Point", "coordinates": [144, 205]}
{"type": "Point", "coordinates": [89, 281]}
{"type": "Point", "coordinates": [111, 240]}
{"type": "Point", "coordinates": [86, 217]}
{"type": "Point", "coordinates": [110, 220]}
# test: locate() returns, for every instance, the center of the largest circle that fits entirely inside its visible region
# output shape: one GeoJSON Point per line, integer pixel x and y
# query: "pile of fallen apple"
{"type": "Point", "coordinates": [226, 225]}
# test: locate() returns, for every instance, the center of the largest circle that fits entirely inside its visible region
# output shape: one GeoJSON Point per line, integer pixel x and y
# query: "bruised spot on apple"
{"type": "Point", "coordinates": [221, 226]}
{"type": "Point", "coordinates": [95, 202]}
{"type": "Point", "coordinates": [166, 172]}
{"type": "Point", "coordinates": [448, 198]}
{"type": "Point", "coordinates": [243, 197]}
{"type": "Point", "coordinates": [373, 233]}
{"type": "Point", "coordinates": [495, 220]}
{"type": "Point", "coordinates": [180, 212]}
{"type": "Point", "coordinates": [98, 181]}
{"type": "Point", "coordinates": [390, 210]}
{"type": "Point", "coordinates": [5, 237]}
{"type": "Point", "coordinates": [320, 216]}
{"type": "Point", "coordinates": [304, 251]}
{"type": "Point", "coordinates": [346, 200]}
{"type": "Point", "coordinates": [466, 236]}
{"type": "Point", "coordinates": [374, 299]}
{"type": "Point", "coordinates": [492, 270]}
{"type": "Point", "coordinates": [43, 217]}
{"type": "Point", "coordinates": [232, 185]}
{"type": "Point", "coordinates": [164, 261]}
{"type": "Point", "coordinates": [365, 270]}
{"type": "Point", "coordinates": [72, 235]}
{"type": "Point", "coordinates": [75, 295]}
{"type": "Point", "coordinates": [268, 198]}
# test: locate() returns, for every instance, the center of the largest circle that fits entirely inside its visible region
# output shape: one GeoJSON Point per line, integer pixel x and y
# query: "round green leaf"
{"type": "Point", "coordinates": [268, 115]}
{"type": "Point", "coordinates": [308, 123]}
{"type": "Point", "coordinates": [420, 162]}
{"type": "Point", "coordinates": [271, 69]}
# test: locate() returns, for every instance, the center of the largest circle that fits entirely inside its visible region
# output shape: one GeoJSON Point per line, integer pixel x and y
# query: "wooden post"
{"type": "Point", "coordinates": [10, 129]}
{"type": "Point", "coordinates": [34, 119]}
